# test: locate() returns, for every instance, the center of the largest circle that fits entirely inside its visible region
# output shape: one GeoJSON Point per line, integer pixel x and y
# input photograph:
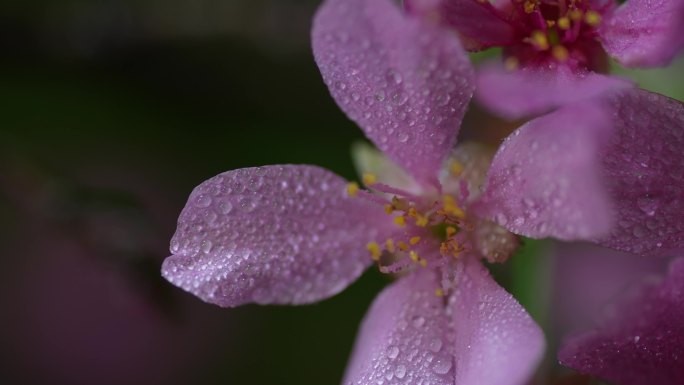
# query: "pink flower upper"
{"type": "Point", "coordinates": [556, 48]}
{"type": "Point", "coordinates": [297, 234]}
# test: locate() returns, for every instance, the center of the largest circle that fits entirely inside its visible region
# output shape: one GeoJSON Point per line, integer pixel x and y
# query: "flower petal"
{"type": "Point", "coordinates": [561, 174]}
{"type": "Point", "coordinates": [644, 33]}
{"type": "Point", "coordinates": [405, 82]}
{"type": "Point", "coordinates": [532, 91]}
{"type": "Point", "coordinates": [642, 343]}
{"type": "Point", "coordinates": [544, 180]}
{"type": "Point", "coordinates": [481, 335]}
{"type": "Point", "coordinates": [480, 23]}
{"type": "Point", "coordinates": [586, 277]}
{"type": "Point", "coordinates": [644, 168]}
{"type": "Point", "coordinates": [275, 234]}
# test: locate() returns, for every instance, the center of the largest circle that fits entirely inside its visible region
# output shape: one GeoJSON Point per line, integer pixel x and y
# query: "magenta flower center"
{"type": "Point", "coordinates": [549, 32]}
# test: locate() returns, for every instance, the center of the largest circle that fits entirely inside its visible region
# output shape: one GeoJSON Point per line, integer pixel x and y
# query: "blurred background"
{"type": "Point", "coordinates": [111, 112]}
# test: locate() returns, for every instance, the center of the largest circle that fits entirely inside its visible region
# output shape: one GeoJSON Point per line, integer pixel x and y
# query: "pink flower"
{"type": "Point", "coordinates": [298, 234]}
{"type": "Point", "coordinates": [641, 342]}
{"type": "Point", "coordinates": [554, 51]}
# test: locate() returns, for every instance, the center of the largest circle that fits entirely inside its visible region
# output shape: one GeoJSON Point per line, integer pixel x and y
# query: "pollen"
{"type": "Point", "coordinates": [414, 240]}
{"type": "Point", "coordinates": [456, 168]}
{"type": "Point", "coordinates": [560, 53]}
{"type": "Point", "coordinates": [414, 256]}
{"type": "Point", "coordinates": [400, 221]}
{"type": "Point", "coordinates": [352, 189]}
{"type": "Point", "coordinates": [389, 245]}
{"type": "Point", "coordinates": [451, 230]}
{"type": "Point", "coordinates": [576, 14]}
{"type": "Point", "coordinates": [403, 246]}
{"type": "Point", "coordinates": [439, 292]}
{"type": "Point", "coordinates": [564, 23]}
{"type": "Point", "coordinates": [451, 208]}
{"type": "Point", "coordinates": [369, 179]}
{"type": "Point", "coordinates": [592, 18]}
{"type": "Point", "coordinates": [374, 250]}
{"type": "Point", "coordinates": [511, 63]}
{"type": "Point", "coordinates": [539, 40]}
{"type": "Point", "coordinates": [422, 221]}
{"type": "Point", "coordinates": [530, 6]}
{"type": "Point", "coordinates": [389, 208]}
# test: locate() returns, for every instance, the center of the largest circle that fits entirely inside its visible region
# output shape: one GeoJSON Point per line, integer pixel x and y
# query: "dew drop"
{"type": "Point", "coordinates": [418, 321]}
{"type": "Point", "coordinates": [203, 201]}
{"type": "Point", "coordinates": [400, 371]}
{"type": "Point", "coordinates": [392, 352]}
{"type": "Point", "coordinates": [442, 366]}
{"type": "Point", "coordinates": [225, 207]}
{"type": "Point", "coordinates": [435, 345]}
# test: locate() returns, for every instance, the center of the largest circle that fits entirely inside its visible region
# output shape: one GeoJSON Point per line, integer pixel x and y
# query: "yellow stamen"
{"type": "Point", "coordinates": [352, 189]}
{"type": "Point", "coordinates": [450, 230]}
{"type": "Point", "coordinates": [540, 40]}
{"type": "Point", "coordinates": [369, 178]}
{"type": "Point", "coordinates": [389, 208]}
{"type": "Point", "coordinates": [423, 262]}
{"type": "Point", "coordinates": [414, 240]}
{"type": "Point", "coordinates": [412, 212]}
{"type": "Point", "coordinates": [511, 63]}
{"type": "Point", "coordinates": [451, 208]}
{"type": "Point", "coordinates": [389, 243]}
{"type": "Point", "coordinates": [422, 221]}
{"type": "Point", "coordinates": [576, 14]}
{"type": "Point", "coordinates": [456, 168]}
{"type": "Point", "coordinates": [564, 23]}
{"type": "Point", "coordinates": [530, 6]}
{"type": "Point", "coordinates": [400, 221]}
{"type": "Point", "coordinates": [414, 256]}
{"type": "Point", "coordinates": [402, 246]}
{"type": "Point", "coordinates": [560, 53]}
{"type": "Point", "coordinates": [374, 249]}
{"type": "Point", "coordinates": [439, 292]}
{"type": "Point", "coordinates": [592, 18]}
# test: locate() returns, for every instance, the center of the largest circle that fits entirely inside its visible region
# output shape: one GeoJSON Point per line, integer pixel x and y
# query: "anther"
{"type": "Point", "coordinates": [403, 246]}
{"type": "Point", "coordinates": [592, 18]}
{"type": "Point", "coordinates": [530, 6]}
{"type": "Point", "coordinates": [389, 208]}
{"type": "Point", "coordinates": [369, 178]}
{"type": "Point", "coordinates": [389, 245]}
{"type": "Point", "coordinates": [560, 53]}
{"type": "Point", "coordinates": [511, 63]}
{"type": "Point", "coordinates": [450, 230]}
{"type": "Point", "coordinates": [540, 40]}
{"type": "Point", "coordinates": [456, 168]}
{"type": "Point", "coordinates": [439, 292]}
{"type": "Point", "coordinates": [576, 14]}
{"type": "Point", "coordinates": [564, 23]}
{"type": "Point", "coordinates": [414, 240]}
{"type": "Point", "coordinates": [400, 221]}
{"type": "Point", "coordinates": [374, 249]}
{"type": "Point", "coordinates": [414, 256]}
{"type": "Point", "coordinates": [352, 189]}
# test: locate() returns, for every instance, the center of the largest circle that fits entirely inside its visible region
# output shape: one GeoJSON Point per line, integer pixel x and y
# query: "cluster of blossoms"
{"type": "Point", "coordinates": [605, 166]}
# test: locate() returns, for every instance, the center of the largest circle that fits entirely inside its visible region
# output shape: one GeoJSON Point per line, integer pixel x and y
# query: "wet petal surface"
{"type": "Point", "coordinates": [532, 91]}
{"type": "Point", "coordinates": [644, 168]}
{"type": "Point", "coordinates": [479, 335]}
{"type": "Point", "coordinates": [642, 342]}
{"type": "Point", "coordinates": [276, 234]}
{"type": "Point", "coordinates": [405, 82]}
{"type": "Point", "coordinates": [480, 23]}
{"type": "Point", "coordinates": [544, 180]}
{"type": "Point", "coordinates": [644, 33]}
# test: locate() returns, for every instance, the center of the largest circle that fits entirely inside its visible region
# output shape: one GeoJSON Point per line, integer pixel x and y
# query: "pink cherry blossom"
{"type": "Point", "coordinates": [294, 234]}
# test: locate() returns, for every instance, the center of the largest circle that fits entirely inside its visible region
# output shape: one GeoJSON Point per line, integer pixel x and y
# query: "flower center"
{"type": "Point", "coordinates": [557, 31]}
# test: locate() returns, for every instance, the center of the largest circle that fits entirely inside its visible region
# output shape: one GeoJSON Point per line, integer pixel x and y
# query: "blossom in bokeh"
{"type": "Point", "coordinates": [640, 339]}
{"type": "Point", "coordinates": [554, 51]}
{"type": "Point", "coordinates": [298, 234]}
